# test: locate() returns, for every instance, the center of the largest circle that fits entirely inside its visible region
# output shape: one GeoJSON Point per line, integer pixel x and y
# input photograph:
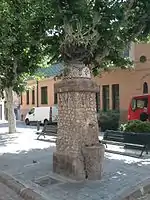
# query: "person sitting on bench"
{"type": "Point", "coordinates": [144, 115]}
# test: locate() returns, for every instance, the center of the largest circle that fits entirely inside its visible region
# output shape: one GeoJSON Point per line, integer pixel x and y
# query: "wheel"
{"type": "Point", "coordinates": [27, 122]}
{"type": "Point", "coordinates": [45, 122]}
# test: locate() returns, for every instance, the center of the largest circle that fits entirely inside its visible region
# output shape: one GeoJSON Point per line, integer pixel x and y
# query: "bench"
{"type": "Point", "coordinates": [48, 130]}
{"type": "Point", "coordinates": [118, 138]}
{"type": "Point", "coordinates": [110, 135]}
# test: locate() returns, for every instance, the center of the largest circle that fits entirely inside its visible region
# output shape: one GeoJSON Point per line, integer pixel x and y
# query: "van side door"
{"type": "Point", "coordinates": [32, 115]}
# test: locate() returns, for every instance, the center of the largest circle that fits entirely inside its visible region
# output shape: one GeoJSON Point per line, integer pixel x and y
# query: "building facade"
{"type": "Point", "coordinates": [116, 88]}
{"type": "Point", "coordinates": [119, 86]}
{"type": "Point", "coordinates": [41, 92]}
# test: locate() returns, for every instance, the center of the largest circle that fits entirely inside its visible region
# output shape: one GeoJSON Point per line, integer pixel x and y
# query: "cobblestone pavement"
{"type": "Point", "coordinates": [28, 160]}
{"type": "Point", "coordinates": [8, 194]}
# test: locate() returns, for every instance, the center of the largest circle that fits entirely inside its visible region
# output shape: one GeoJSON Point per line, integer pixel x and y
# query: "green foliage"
{"type": "Point", "coordinates": [20, 47]}
{"type": "Point", "coordinates": [122, 127]}
{"type": "Point", "coordinates": [109, 120]}
{"type": "Point", "coordinates": [136, 126]}
{"type": "Point", "coordinates": [94, 32]}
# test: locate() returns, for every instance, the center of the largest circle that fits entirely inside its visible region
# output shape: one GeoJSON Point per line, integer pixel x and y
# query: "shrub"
{"type": "Point", "coordinates": [122, 127]}
{"type": "Point", "coordinates": [136, 126]}
{"type": "Point", "coordinates": [109, 120]}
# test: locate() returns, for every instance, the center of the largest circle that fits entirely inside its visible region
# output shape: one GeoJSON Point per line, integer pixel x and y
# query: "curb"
{"type": "Point", "coordinates": [23, 191]}
{"type": "Point", "coordinates": [135, 192]}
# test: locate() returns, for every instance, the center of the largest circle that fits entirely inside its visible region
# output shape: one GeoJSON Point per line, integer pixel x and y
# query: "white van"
{"type": "Point", "coordinates": [43, 114]}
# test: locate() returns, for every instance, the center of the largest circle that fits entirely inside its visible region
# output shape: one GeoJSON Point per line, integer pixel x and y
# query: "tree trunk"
{"type": "Point", "coordinates": [79, 155]}
{"type": "Point", "coordinates": [10, 107]}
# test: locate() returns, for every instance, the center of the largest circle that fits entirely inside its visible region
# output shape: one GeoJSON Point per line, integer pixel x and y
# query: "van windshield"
{"type": "Point", "coordinates": [31, 111]}
{"type": "Point", "coordinates": [139, 103]}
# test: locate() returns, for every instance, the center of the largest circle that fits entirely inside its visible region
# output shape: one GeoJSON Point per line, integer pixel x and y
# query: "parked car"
{"type": "Point", "coordinates": [44, 115]}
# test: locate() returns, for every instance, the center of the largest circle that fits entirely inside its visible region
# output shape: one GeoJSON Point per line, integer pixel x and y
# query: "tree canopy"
{"type": "Point", "coordinates": [92, 31]}
{"type": "Point", "coordinates": [20, 48]}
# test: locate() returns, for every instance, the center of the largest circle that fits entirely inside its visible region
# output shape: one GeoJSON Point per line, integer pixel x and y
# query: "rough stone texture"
{"type": "Point", "coordinates": [77, 130]}
{"type": "Point", "coordinates": [77, 125]}
{"type": "Point", "coordinates": [68, 165]}
{"type": "Point", "coordinates": [93, 158]}
{"type": "Point", "coordinates": [77, 70]}
{"type": "Point", "coordinates": [78, 84]}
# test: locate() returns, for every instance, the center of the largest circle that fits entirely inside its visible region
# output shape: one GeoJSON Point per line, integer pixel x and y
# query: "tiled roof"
{"type": "Point", "coordinates": [51, 71]}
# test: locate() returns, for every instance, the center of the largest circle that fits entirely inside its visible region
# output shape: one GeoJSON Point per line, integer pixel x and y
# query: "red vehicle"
{"type": "Point", "coordinates": [138, 106]}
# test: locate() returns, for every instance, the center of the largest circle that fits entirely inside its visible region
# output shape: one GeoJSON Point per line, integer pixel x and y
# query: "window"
{"type": "Point", "coordinates": [27, 97]}
{"type": "Point", "coordinates": [33, 96]}
{"type": "Point", "coordinates": [105, 91]}
{"type": "Point", "coordinates": [145, 88]}
{"type": "Point", "coordinates": [139, 103]}
{"type": "Point", "coordinates": [21, 102]}
{"type": "Point", "coordinates": [44, 96]}
{"type": "Point", "coordinates": [55, 98]}
{"type": "Point", "coordinates": [31, 111]}
{"type": "Point", "coordinates": [115, 96]}
{"type": "Point", "coordinates": [98, 101]}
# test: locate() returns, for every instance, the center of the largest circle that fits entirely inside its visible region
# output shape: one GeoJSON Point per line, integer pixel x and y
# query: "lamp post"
{"type": "Point", "coordinates": [37, 92]}
{"type": "Point", "coordinates": [37, 98]}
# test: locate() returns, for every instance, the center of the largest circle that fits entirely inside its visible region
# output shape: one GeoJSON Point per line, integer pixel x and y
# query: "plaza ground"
{"type": "Point", "coordinates": [30, 161]}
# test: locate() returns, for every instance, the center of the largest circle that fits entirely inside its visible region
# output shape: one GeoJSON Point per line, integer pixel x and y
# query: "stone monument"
{"type": "Point", "coordinates": [79, 155]}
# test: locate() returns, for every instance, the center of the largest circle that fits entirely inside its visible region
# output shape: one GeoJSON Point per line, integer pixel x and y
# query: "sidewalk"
{"type": "Point", "coordinates": [120, 173]}
{"type": "Point", "coordinates": [16, 190]}
{"type": "Point", "coordinates": [30, 161]}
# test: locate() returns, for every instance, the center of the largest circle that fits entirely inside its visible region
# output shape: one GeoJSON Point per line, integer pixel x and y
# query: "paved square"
{"type": "Point", "coordinates": [22, 156]}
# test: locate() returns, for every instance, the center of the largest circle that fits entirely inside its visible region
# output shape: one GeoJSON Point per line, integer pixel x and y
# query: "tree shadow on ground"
{"type": "Point", "coordinates": [6, 139]}
{"type": "Point", "coordinates": [20, 124]}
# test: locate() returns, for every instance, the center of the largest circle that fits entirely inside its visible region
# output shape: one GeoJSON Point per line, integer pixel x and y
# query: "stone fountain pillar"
{"type": "Point", "coordinates": [79, 155]}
